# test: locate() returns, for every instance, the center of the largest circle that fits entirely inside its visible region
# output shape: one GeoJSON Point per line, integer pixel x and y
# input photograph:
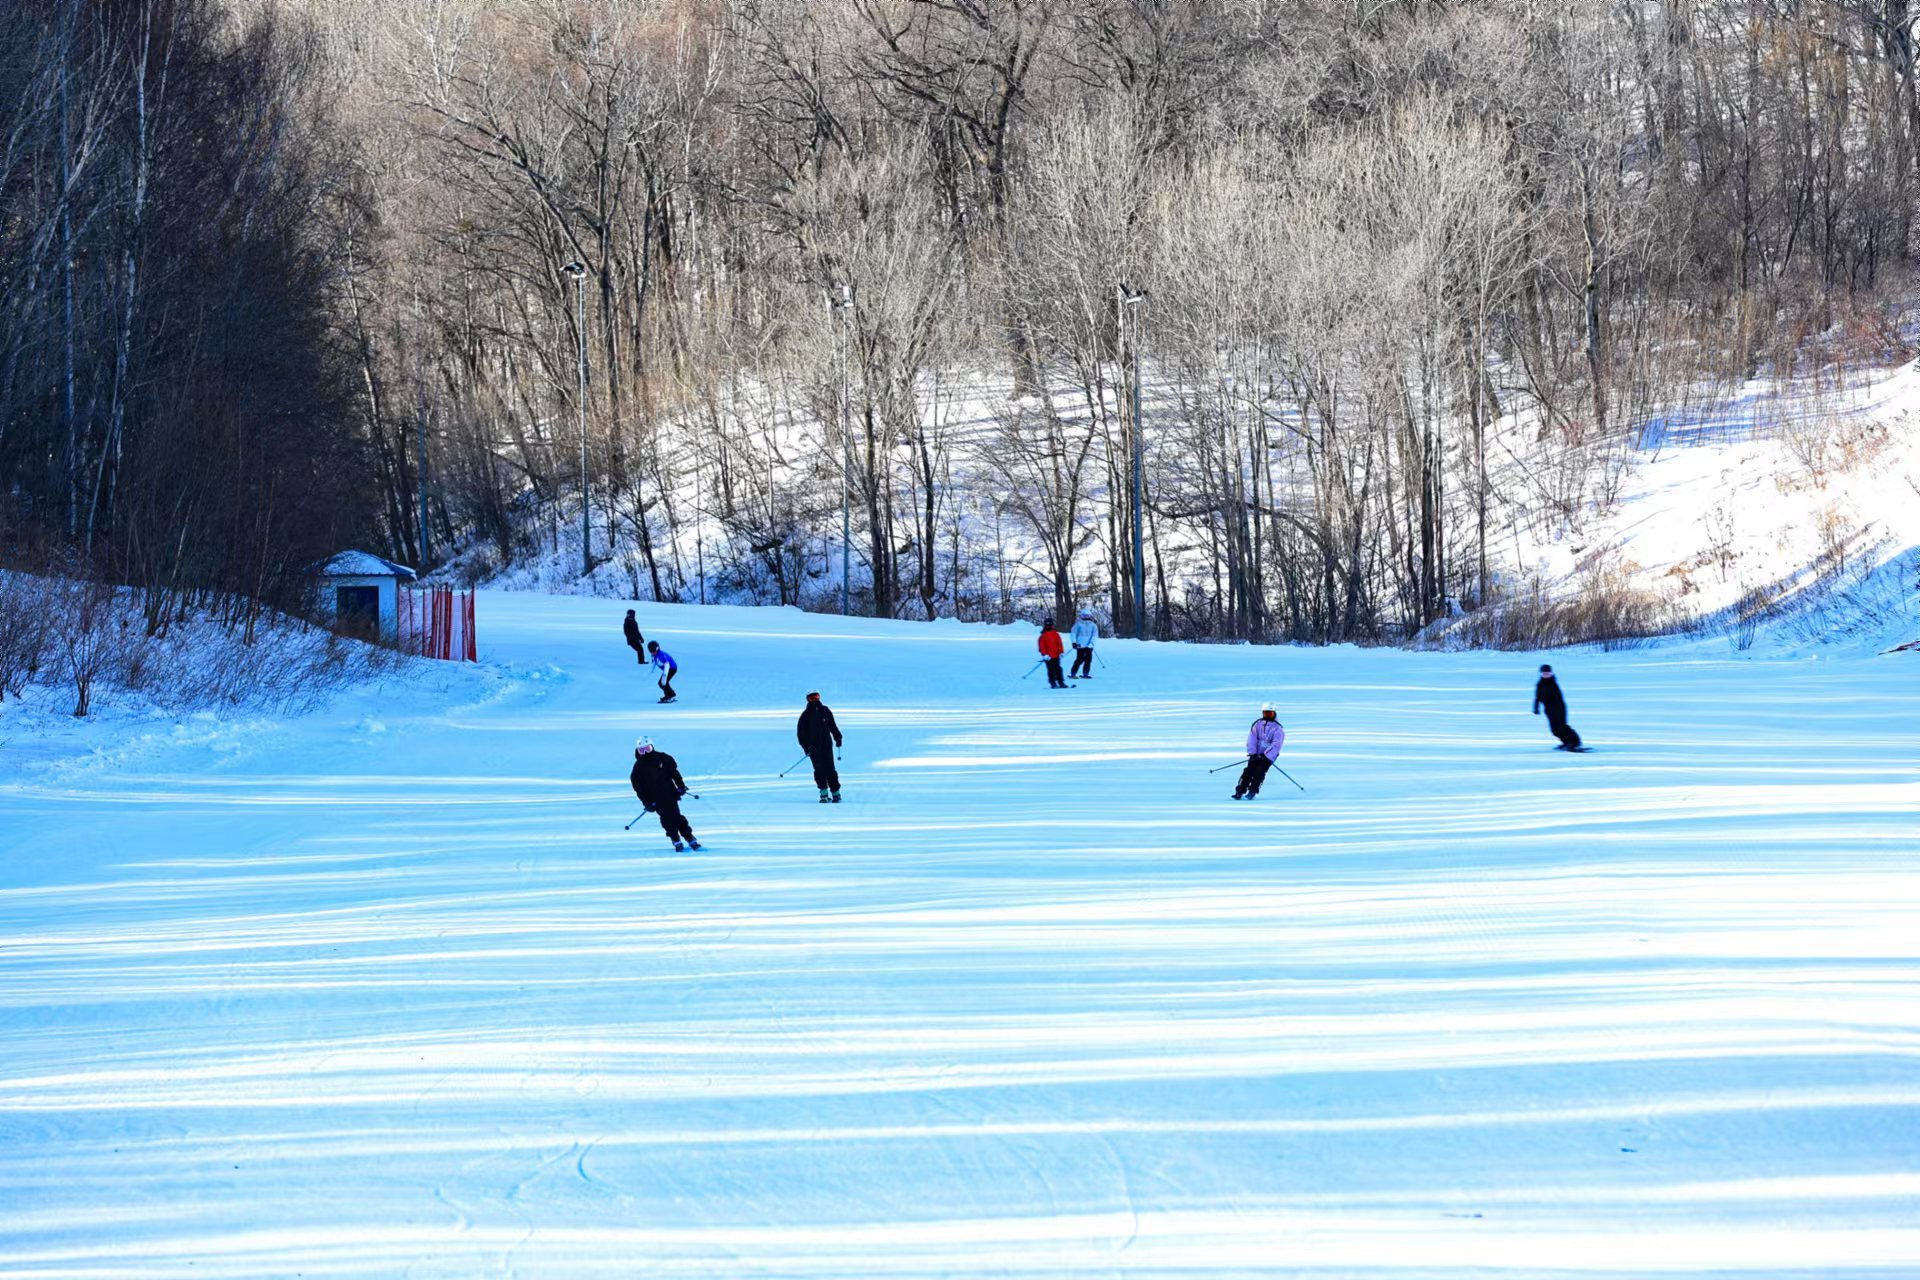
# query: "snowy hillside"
{"type": "Point", "coordinates": [1762, 504]}
{"type": "Point", "coordinates": [389, 991]}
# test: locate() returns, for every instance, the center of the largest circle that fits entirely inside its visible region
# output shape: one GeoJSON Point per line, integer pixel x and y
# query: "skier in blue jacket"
{"type": "Point", "coordinates": [664, 664]}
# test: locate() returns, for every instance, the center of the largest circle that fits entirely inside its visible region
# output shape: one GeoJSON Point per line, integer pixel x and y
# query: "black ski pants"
{"type": "Point", "coordinates": [639, 651]}
{"type": "Point", "coordinates": [825, 776]}
{"type": "Point", "coordinates": [1564, 731]}
{"type": "Point", "coordinates": [1054, 677]}
{"type": "Point", "coordinates": [1253, 775]}
{"type": "Point", "coordinates": [1083, 660]}
{"type": "Point", "coordinates": [666, 684]}
{"type": "Point", "coordinates": [672, 821]}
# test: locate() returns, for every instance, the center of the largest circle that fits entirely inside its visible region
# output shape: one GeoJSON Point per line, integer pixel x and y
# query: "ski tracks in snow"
{"type": "Point", "coordinates": [1037, 1001]}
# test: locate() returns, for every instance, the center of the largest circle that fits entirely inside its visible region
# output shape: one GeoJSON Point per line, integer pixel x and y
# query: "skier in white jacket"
{"type": "Point", "coordinates": [1085, 632]}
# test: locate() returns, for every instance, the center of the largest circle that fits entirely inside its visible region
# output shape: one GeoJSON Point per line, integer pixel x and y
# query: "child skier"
{"type": "Point", "coordinates": [1050, 651]}
{"type": "Point", "coordinates": [663, 663]}
{"type": "Point", "coordinates": [1085, 632]}
{"type": "Point", "coordinates": [1547, 697]}
{"type": "Point", "coordinates": [819, 738]}
{"type": "Point", "coordinates": [632, 628]}
{"type": "Point", "coordinates": [1264, 741]}
{"type": "Point", "coordinates": [656, 780]}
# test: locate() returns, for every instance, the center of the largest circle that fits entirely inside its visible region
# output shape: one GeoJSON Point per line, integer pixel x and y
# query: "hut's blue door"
{"type": "Point", "coordinates": [356, 611]}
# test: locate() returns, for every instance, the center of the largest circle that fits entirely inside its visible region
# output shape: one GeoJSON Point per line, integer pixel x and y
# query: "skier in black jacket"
{"type": "Point", "coordinates": [1548, 698]}
{"type": "Point", "coordinates": [632, 628]}
{"type": "Point", "coordinates": [819, 737]}
{"type": "Point", "coordinates": [656, 780]}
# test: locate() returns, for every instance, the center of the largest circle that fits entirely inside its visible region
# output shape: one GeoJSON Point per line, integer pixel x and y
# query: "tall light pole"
{"type": "Point", "coordinates": [1127, 304]}
{"type": "Point", "coordinates": [579, 273]}
{"type": "Point", "coordinates": [845, 307]}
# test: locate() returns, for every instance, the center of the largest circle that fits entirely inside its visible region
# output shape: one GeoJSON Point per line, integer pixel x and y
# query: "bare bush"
{"type": "Point", "coordinates": [1757, 604]}
{"type": "Point", "coordinates": [1604, 608]}
{"type": "Point", "coordinates": [23, 631]}
{"type": "Point", "coordinates": [85, 635]}
{"type": "Point", "coordinates": [287, 669]}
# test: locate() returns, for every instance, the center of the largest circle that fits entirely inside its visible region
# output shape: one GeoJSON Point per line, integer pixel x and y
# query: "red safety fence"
{"type": "Point", "coordinates": [437, 622]}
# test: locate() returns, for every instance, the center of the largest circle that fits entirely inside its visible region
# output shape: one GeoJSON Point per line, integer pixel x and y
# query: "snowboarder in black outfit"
{"type": "Point", "coordinates": [819, 738]}
{"type": "Point", "coordinates": [1548, 698]}
{"type": "Point", "coordinates": [656, 780]}
{"type": "Point", "coordinates": [632, 628]}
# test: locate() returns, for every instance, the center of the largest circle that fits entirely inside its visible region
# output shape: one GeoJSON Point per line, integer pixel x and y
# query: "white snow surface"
{"type": "Point", "coordinates": [389, 991]}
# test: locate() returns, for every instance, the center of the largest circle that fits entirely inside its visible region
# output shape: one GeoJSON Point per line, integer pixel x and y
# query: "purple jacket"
{"type": "Point", "coordinates": [1265, 739]}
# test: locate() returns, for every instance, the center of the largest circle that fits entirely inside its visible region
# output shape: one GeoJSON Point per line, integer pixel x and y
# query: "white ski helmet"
{"type": "Point", "coordinates": [1268, 706]}
{"type": "Point", "coordinates": [643, 746]}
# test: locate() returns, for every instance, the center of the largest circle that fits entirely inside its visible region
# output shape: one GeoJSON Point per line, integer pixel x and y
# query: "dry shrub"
{"type": "Point", "coordinates": [25, 609]}
{"type": "Point", "coordinates": [1870, 335]}
{"type": "Point", "coordinates": [1605, 608]}
{"type": "Point", "coordinates": [288, 668]}
{"type": "Point", "coordinates": [84, 636]}
{"type": "Point", "coordinates": [1756, 605]}
{"type": "Point", "coordinates": [1828, 442]}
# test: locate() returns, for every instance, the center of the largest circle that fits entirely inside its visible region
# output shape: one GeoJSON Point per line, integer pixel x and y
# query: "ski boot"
{"type": "Point", "coordinates": [693, 844]}
{"type": "Point", "coordinates": [823, 795]}
{"type": "Point", "coordinates": [678, 847]}
{"type": "Point", "coordinates": [836, 797]}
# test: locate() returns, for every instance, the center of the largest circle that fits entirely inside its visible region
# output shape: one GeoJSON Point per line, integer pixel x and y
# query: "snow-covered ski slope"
{"type": "Point", "coordinates": [402, 998]}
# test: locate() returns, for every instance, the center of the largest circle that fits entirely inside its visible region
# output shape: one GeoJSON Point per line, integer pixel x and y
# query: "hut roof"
{"type": "Point", "coordinates": [362, 564]}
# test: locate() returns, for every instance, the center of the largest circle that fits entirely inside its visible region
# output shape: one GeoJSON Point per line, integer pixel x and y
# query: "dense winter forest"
{"type": "Point", "coordinates": [1395, 276]}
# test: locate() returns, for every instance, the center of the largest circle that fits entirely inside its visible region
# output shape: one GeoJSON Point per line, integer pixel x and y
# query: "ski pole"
{"type": "Point", "coordinates": [1289, 777]}
{"type": "Point", "coordinates": [636, 818]}
{"type": "Point", "coordinates": [795, 765]}
{"type": "Point", "coordinates": [1103, 661]}
{"type": "Point", "coordinates": [1235, 764]}
{"type": "Point", "coordinates": [1035, 667]}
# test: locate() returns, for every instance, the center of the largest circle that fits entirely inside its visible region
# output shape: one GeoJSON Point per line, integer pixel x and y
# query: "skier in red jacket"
{"type": "Point", "coordinates": [1051, 648]}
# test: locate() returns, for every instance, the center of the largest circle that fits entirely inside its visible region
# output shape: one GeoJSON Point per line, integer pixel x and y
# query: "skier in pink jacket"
{"type": "Point", "coordinates": [1264, 741]}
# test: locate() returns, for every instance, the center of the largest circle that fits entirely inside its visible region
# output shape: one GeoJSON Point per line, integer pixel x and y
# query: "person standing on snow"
{"type": "Point", "coordinates": [1085, 632]}
{"type": "Point", "coordinates": [820, 738]}
{"type": "Point", "coordinates": [663, 663]}
{"type": "Point", "coordinates": [1264, 741]}
{"type": "Point", "coordinates": [632, 628]}
{"type": "Point", "coordinates": [1050, 651]}
{"type": "Point", "coordinates": [1548, 698]}
{"type": "Point", "coordinates": [656, 780]}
